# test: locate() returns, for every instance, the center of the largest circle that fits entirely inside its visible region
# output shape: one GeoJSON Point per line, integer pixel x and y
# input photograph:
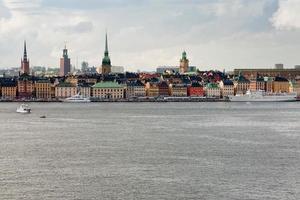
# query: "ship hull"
{"type": "Point", "coordinates": [263, 99]}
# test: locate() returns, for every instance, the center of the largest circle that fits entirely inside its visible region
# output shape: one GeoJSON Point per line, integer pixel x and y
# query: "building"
{"type": "Point", "coordinates": [258, 83]}
{"type": "Point", "coordinates": [269, 84]}
{"type": "Point", "coordinates": [25, 62]}
{"type": "Point", "coordinates": [184, 64]}
{"type": "Point", "coordinates": [64, 90]}
{"type": "Point", "coordinates": [9, 89]}
{"type": "Point", "coordinates": [195, 90]}
{"type": "Point", "coordinates": [295, 87]}
{"type": "Point", "coordinates": [178, 90]}
{"type": "Point", "coordinates": [227, 88]}
{"type": "Point", "coordinates": [241, 85]}
{"type": "Point", "coordinates": [135, 89]}
{"type": "Point", "coordinates": [25, 86]}
{"type": "Point", "coordinates": [65, 63]}
{"type": "Point", "coordinates": [43, 89]}
{"type": "Point", "coordinates": [84, 89]}
{"type": "Point", "coordinates": [152, 89]}
{"type": "Point", "coordinates": [163, 89]}
{"type": "Point", "coordinates": [289, 74]}
{"type": "Point", "coordinates": [281, 85]}
{"type": "Point", "coordinates": [106, 63]}
{"type": "Point", "coordinates": [108, 90]}
{"type": "Point", "coordinates": [212, 90]}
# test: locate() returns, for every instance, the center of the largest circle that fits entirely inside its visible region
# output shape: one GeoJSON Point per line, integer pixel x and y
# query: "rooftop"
{"type": "Point", "coordinates": [107, 84]}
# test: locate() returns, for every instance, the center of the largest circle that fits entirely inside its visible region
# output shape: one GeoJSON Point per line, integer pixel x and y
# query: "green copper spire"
{"type": "Point", "coordinates": [184, 56]}
{"type": "Point", "coordinates": [106, 59]}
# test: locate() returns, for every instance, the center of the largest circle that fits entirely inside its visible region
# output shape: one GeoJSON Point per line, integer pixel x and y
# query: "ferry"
{"type": "Point", "coordinates": [262, 96]}
{"type": "Point", "coordinates": [24, 108]}
{"type": "Point", "coordinates": [77, 99]}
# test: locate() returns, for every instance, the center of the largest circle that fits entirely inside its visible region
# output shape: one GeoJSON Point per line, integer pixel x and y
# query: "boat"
{"type": "Point", "coordinates": [24, 108]}
{"type": "Point", "coordinates": [77, 99]}
{"type": "Point", "coordinates": [262, 96]}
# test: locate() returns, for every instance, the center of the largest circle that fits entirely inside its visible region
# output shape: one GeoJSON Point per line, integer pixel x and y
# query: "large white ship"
{"type": "Point", "coordinates": [262, 96]}
{"type": "Point", "coordinates": [77, 99]}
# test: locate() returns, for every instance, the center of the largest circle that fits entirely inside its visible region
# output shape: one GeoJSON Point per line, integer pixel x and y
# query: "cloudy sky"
{"type": "Point", "coordinates": [144, 34]}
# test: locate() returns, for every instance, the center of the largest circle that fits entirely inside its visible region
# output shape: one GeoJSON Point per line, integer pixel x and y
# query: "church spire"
{"type": "Point", "coordinates": [25, 51]}
{"type": "Point", "coordinates": [106, 45]}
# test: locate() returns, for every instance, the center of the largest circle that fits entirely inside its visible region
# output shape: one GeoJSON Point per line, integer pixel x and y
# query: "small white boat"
{"type": "Point", "coordinates": [24, 108]}
{"type": "Point", "coordinates": [77, 99]}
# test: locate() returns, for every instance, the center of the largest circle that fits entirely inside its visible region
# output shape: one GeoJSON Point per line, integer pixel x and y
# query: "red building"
{"type": "Point", "coordinates": [163, 89]}
{"type": "Point", "coordinates": [195, 90]}
{"type": "Point", "coordinates": [25, 62]}
{"type": "Point", "coordinates": [25, 86]}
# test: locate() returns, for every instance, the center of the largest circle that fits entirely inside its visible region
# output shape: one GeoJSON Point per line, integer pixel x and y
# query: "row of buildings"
{"type": "Point", "coordinates": [211, 84]}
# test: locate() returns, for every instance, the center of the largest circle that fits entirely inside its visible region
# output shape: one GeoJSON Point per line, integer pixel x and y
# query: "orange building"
{"type": "Point", "coordinates": [281, 85]}
{"type": "Point", "coordinates": [9, 90]}
{"type": "Point", "coordinates": [257, 84]}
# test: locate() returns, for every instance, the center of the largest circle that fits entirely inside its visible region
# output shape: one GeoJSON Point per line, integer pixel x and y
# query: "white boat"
{"type": "Point", "coordinates": [24, 108]}
{"type": "Point", "coordinates": [262, 96]}
{"type": "Point", "coordinates": [77, 99]}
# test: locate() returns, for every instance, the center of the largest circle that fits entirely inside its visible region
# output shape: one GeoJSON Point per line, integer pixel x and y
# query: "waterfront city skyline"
{"type": "Point", "coordinates": [215, 34]}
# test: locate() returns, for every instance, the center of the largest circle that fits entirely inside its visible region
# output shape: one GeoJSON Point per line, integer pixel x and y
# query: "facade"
{"type": "Point", "coordinates": [65, 63]}
{"type": "Point", "coordinates": [295, 87]}
{"type": "Point", "coordinates": [106, 63]}
{"type": "Point", "coordinates": [135, 89]}
{"type": "Point", "coordinates": [65, 90]}
{"type": "Point", "coordinates": [195, 90]}
{"type": "Point", "coordinates": [290, 74]}
{"type": "Point", "coordinates": [9, 89]}
{"type": "Point", "coordinates": [227, 88]}
{"type": "Point", "coordinates": [257, 84]}
{"type": "Point", "coordinates": [25, 62]}
{"type": "Point", "coordinates": [163, 89]}
{"type": "Point", "coordinates": [152, 89]}
{"type": "Point", "coordinates": [184, 64]}
{"type": "Point", "coordinates": [84, 89]}
{"type": "Point", "coordinates": [25, 86]}
{"type": "Point", "coordinates": [178, 90]}
{"type": "Point", "coordinates": [241, 85]}
{"type": "Point", "coordinates": [43, 89]}
{"type": "Point", "coordinates": [108, 90]}
{"type": "Point", "coordinates": [213, 90]}
{"type": "Point", "coordinates": [281, 85]}
{"type": "Point", "coordinates": [269, 84]}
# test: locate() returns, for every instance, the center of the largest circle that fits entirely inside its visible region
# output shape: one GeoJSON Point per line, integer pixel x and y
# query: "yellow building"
{"type": "Point", "coordinates": [43, 89]}
{"type": "Point", "coordinates": [281, 85]}
{"type": "Point", "coordinates": [108, 90]}
{"type": "Point", "coordinates": [227, 88]}
{"type": "Point", "coordinates": [152, 89]}
{"type": "Point", "coordinates": [178, 90]}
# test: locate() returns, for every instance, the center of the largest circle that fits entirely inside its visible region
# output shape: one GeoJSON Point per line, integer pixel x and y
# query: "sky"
{"type": "Point", "coordinates": [144, 34]}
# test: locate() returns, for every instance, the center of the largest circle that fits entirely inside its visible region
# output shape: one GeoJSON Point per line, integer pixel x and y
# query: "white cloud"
{"type": "Point", "coordinates": [287, 16]}
{"type": "Point", "coordinates": [222, 33]}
